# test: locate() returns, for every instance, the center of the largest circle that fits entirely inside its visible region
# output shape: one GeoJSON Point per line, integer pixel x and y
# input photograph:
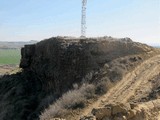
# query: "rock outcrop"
{"type": "Point", "coordinates": [52, 66]}
{"type": "Point", "coordinates": [121, 111]}
{"type": "Point", "coordinates": [61, 62]}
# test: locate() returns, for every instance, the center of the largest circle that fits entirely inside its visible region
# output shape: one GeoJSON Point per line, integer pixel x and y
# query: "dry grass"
{"type": "Point", "coordinates": [73, 99]}
{"type": "Point", "coordinates": [103, 86]}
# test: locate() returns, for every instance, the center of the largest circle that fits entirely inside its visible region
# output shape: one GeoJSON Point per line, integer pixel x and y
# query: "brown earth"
{"type": "Point", "coordinates": [135, 86]}
{"type": "Point", "coordinates": [61, 61]}
{"type": "Point", "coordinates": [8, 69]}
{"type": "Point", "coordinates": [57, 67]}
{"type": "Point", "coordinates": [138, 74]}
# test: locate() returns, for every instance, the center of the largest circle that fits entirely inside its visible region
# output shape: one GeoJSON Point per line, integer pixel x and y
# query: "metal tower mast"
{"type": "Point", "coordinates": [83, 19]}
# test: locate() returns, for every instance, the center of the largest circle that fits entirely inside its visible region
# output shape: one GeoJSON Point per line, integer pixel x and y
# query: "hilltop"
{"type": "Point", "coordinates": [74, 76]}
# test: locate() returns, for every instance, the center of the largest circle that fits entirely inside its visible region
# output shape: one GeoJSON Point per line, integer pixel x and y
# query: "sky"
{"type": "Point", "coordinates": [24, 20]}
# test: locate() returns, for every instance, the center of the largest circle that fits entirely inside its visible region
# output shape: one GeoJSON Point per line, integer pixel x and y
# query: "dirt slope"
{"type": "Point", "coordinates": [52, 67]}
{"type": "Point", "coordinates": [133, 81]}
{"type": "Point", "coordinates": [6, 69]}
{"type": "Point", "coordinates": [127, 87]}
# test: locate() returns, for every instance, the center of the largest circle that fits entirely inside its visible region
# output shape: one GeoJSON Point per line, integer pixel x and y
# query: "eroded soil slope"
{"type": "Point", "coordinates": [58, 67]}
{"type": "Point", "coordinates": [134, 81]}
{"type": "Point", "coordinates": [135, 87]}
{"type": "Point", "coordinates": [8, 69]}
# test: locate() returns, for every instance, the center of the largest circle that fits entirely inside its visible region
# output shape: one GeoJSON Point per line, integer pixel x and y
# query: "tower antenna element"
{"type": "Point", "coordinates": [83, 19]}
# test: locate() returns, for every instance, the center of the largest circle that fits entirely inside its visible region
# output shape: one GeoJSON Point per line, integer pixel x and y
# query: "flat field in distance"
{"type": "Point", "coordinates": [9, 56]}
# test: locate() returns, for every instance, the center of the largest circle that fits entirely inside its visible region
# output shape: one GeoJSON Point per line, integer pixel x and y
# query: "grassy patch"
{"type": "Point", "coordinates": [9, 56]}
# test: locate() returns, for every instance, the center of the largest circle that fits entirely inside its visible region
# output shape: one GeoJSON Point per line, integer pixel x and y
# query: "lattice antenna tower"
{"type": "Point", "coordinates": [83, 19]}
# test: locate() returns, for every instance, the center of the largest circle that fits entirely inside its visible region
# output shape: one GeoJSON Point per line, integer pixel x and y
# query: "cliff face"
{"type": "Point", "coordinates": [52, 66]}
{"type": "Point", "coordinates": [60, 62]}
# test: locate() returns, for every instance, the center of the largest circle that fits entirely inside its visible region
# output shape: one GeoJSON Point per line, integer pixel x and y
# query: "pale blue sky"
{"type": "Point", "coordinates": [24, 20]}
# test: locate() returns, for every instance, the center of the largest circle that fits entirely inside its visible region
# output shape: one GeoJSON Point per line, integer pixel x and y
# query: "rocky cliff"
{"type": "Point", "coordinates": [52, 66]}
{"type": "Point", "coordinates": [61, 62]}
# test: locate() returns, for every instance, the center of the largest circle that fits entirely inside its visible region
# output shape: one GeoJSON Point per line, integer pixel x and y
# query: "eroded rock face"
{"type": "Point", "coordinates": [124, 111]}
{"type": "Point", "coordinates": [120, 108]}
{"type": "Point", "coordinates": [52, 66]}
{"type": "Point", "coordinates": [100, 113]}
{"type": "Point", "coordinates": [112, 111]}
{"type": "Point", "coordinates": [61, 62]}
{"type": "Point", "coordinates": [27, 55]}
